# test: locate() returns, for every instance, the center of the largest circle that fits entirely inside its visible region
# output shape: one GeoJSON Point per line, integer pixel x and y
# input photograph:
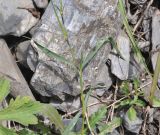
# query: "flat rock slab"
{"type": "Point", "coordinates": [120, 66]}
{"type": "Point", "coordinates": [86, 22]}
{"type": "Point", "coordinates": [10, 70]}
{"type": "Point", "coordinates": [15, 20]}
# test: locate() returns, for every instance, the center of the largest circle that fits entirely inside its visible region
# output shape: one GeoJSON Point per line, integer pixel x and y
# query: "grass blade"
{"type": "Point", "coordinates": [135, 48]}
{"type": "Point", "coordinates": [93, 52]}
{"type": "Point", "coordinates": [64, 31]}
{"type": "Point", "coordinates": [155, 79]}
{"type": "Point", "coordinates": [69, 128]}
{"type": "Point", "coordinates": [54, 55]}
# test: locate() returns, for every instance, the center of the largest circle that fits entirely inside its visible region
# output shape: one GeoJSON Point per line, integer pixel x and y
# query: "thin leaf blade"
{"type": "Point", "coordinates": [54, 55]}
{"type": "Point", "coordinates": [94, 51]}
{"type": "Point", "coordinates": [155, 80]}
{"type": "Point", "coordinates": [69, 128]}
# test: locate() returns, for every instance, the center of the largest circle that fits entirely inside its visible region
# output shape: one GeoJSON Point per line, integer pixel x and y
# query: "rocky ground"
{"type": "Point", "coordinates": [118, 77]}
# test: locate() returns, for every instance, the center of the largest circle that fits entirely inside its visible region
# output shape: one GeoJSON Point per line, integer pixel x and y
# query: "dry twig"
{"type": "Point", "coordinates": [142, 16]}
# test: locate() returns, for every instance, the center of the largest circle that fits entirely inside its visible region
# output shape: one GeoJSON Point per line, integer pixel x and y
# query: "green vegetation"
{"type": "Point", "coordinates": [24, 111]}
{"type": "Point", "coordinates": [155, 102]}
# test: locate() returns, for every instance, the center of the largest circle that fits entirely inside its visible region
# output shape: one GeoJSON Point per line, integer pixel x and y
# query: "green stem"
{"type": "Point", "coordinates": [82, 96]}
{"type": "Point", "coordinates": [155, 79]}
{"type": "Point", "coordinates": [129, 31]}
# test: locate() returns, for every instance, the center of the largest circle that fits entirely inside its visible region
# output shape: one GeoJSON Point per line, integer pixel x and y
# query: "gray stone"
{"type": "Point", "coordinates": [77, 126]}
{"type": "Point", "coordinates": [144, 46]}
{"type": "Point", "coordinates": [86, 23]}
{"type": "Point", "coordinates": [155, 37]}
{"type": "Point", "coordinates": [22, 51]}
{"type": "Point", "coordinates": [14, 19]}
{"type": "Point", "coordinates": [32, 59]}
{"type": "Point", "coordinates": [138, 2]}
{"type": "Point", "coordinates": [106, 78]}
{"type": "Point", "coordinates": [10, 70]}
{"type": "Point", "coordinates": [132, 18]}
{"type": "Point", "coordinates": [119, 66]}
{"type": "Point", "coordinates": [136, 68]}
{"type": "Point", "coordinates": [132, 126]}
{"type": "Point", "coordinates": [115, 132]}
{"type": "Point", "coordinates": [34, 29]}
{"type": "Point", "coordinates": [41, 3]}
{"type": "Point", "coordinates": [72, 104]}
{"type": "Point", "coordinates": [147, 89]}
{"type": "Point", "coordinates": [146, 23]}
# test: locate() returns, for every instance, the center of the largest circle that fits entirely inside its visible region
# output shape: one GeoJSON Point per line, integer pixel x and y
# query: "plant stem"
{"type": "Point", "coordinates": [82, 96]}
{"type": "Point", "coordinates": [129, 31]}
{"type": "Point", "coordinates": [155, 79]}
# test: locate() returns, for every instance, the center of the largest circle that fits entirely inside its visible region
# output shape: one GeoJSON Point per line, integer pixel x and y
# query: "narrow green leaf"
{"type": "Point", "coordinates": [135, 48]}
{"type": "Point", "coordinates": [155, 102]}
{"type": "Point", "coordinates": [54, 55]}
{"type": "Point", "coordinates": [107, 128]}
{"type": "Point", "coordinates": [4, 88]}
{"type": "Point", "coordinates": [81, 93]}
{"type": "Point", "coordinates": [69, 128]}
{"type": "Point", "coordinates": [61, 8]}
{"type": "Point", "coordinates": [155, 80]}
{"type": "Point", "coordinates": [6, 131]}
{"type": "Point", "coordinates": [54, 116]}
{"type": "Point", "coordinates": [95, 50]}
{"type": "Point", "coordinates": [87, 96]}
{"type": "Point", "coordinates": [97, 117]}
{"type": "Point", "coordinates": [22, 110]}
{"type": "Point", "coordinates": [132, 114]}
{"type": "Point", "coordinates": [64, 31]}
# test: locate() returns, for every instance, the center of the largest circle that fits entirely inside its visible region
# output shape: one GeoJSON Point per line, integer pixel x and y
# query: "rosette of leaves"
{"type": "Point", "coordinates": [23, 110]}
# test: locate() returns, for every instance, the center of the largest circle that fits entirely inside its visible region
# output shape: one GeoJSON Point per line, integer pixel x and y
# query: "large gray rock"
{"type": "Point", "coordinates": [73, 104]}
{"type": "Point", "coordinates": [86, 23]}
{"type": "Point", "coordinates": [10, 70]}
{"type": "Point", "coordinates": [146, 23]}
{"type": "Point", "coordinates": [132, 126]}
{"type": "Point", "coordinates": [41, 3]}
{"type": "Point", "coordinates": [120, 66]}
{"type": "Point", "coordinates": [14, 19]}
{"type": "Point", "coordinates": [22, 51]}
